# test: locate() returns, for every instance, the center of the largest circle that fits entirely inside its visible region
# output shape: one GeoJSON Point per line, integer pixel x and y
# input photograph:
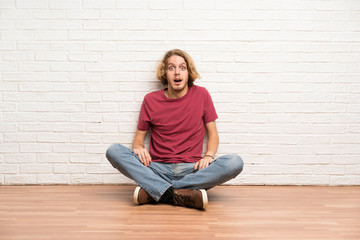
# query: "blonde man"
{"type": "Point", "coordinates": [174, 171]}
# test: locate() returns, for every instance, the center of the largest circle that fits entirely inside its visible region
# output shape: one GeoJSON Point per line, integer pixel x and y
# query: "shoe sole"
{"type": "Point", "coordinates": [204, 198]}
{"type": "Point", "coordinates": [136, 195]}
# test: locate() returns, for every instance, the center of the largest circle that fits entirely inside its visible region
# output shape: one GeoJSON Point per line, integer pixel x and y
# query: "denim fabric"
{"type": "Point", "coordinates": [158, 177]}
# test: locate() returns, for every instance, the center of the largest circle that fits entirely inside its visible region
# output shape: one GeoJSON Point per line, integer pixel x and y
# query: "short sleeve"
{"type": "Point", "coordinates": [209, 108]}
{"type": "Point", "coordinates": [144, 118]}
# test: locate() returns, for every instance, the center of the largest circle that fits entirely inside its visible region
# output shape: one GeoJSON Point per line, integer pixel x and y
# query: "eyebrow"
{"type": "Point", "coordinates": [175, 64]}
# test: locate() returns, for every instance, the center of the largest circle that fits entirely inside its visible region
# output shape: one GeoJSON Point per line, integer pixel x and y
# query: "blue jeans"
{"type": "Point", "coordinates": [159, 177]}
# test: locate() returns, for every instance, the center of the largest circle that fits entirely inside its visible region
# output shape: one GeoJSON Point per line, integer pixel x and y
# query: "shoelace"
{"type": "Point", "coordinates": [184, 200]}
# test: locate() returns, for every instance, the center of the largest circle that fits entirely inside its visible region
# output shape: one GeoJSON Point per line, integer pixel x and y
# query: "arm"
{"type": "Point", "coordinates": [139, 149]}
{"type": "Point", "coordinates": [212, 145]}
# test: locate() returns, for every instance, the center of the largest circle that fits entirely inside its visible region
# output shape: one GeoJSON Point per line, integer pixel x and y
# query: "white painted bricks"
{"type": "Point", "coordinates": [284, 76]}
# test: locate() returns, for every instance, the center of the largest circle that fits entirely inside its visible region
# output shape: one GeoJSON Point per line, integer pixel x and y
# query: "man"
{"type": "Point", "coordinates": [174, 171]}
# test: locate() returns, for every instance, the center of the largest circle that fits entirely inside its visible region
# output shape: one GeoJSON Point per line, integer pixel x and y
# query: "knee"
{"type": "Point", "coordinates": [113, 151]}
{"type": "Point", "coordinates": [236, 162]}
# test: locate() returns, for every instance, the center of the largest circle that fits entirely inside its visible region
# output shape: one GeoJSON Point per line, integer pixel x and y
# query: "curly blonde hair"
{"type": "Point", "coordinates": [161, 69]}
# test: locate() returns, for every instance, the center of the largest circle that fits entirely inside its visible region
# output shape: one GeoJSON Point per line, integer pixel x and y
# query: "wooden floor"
{"type": "Point", "coordinates": [234, 212]}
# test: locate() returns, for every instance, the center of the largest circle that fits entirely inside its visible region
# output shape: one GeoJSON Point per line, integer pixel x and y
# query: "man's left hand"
{"type": "Point", "coordinates": [203, 163]}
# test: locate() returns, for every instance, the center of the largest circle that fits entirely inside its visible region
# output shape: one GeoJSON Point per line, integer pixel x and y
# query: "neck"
{"type": "Point", "coordinates": [171, 93]}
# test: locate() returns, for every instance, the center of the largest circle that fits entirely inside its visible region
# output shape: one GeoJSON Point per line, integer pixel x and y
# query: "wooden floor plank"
{"type": "Point", "coordinates": [234, 212]}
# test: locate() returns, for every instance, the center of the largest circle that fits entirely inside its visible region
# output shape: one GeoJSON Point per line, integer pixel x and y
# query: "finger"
{"type": "Point", "coordinates": [143, 158]}
{"type": "Point", "coordinates": [201, 164]}
{"type": "Point", "coordinates": [204, 164]}
{"type": "Point", "coordinates": [146, 160]}
{"type": "Point", "coordinates": [196, 165]}
{"type": "Point", "coordinates": [148, 157]}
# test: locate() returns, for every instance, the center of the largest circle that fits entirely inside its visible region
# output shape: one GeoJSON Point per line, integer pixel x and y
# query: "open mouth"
{"type": "Point", "coordinates": [177, 80]}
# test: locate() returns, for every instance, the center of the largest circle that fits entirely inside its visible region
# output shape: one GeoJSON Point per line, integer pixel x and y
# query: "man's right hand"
{"type": "Point", "coordinates": [143, 156]}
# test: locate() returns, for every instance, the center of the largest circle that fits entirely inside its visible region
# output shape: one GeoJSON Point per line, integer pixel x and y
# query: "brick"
{"type": "Point", "coordinates": [20, 179]}
{"type": "Point", "coordinates": [85, 158]}
{"type": "Point", "coordinates": [7, 107]}
{"type": "Point", "coordinates": [18, 56]}
{"type": "Point", "coordinates": [33, 66]}
{"type": "Point", "coordinates": [36, 168]}
{"type": "Point", "coordinates": [9, 168]}
{"type": "Point", "coordinates": [35, 107]}
{"type": "Point", "coordinates": [33, 4]}
{"type": "Point", "coordinates": [51, 97]}
{"type": "Point", "coordinates": [34, 46]}
{"type": "Point", "coordinates": [100, 168]}
{"type": "Point", "coordinates": [6, 4]}
{"type": "Point", "coordinates": [99, 25]}
{"type": "Point", "coordinates": [312, 179]}
{"type": "Point", "coordinates": [66, 168]}
{"type": "Point", "coordinates": [135, 4]}
{"type": "Point", "coordinates": [200, 4]}
{"type": "Point", "coordinates": [344, 180]}
{"type": "Point", "coordinates": [52, 138]}
{"type": "Point", "coordinates": [32, 25]}
{"type": "Point", "coordinates": [101, 127]}
{"type": "Point", "coordinates": [51, 56]}
{"type": "Point", "coordinates": [68, 148]}
{"type": "Point", "coordinates": [85, 97]}
{"type": "Point", "coordinates": [93, 4]}
{"type": "Point", "coordinates": [35, 148]}
{"type": "Point", "coordinates": [68, 87]}
{"type": "Point", "coordinates": [63, 46]}
{"type": "Point", "coordinates": [34, 127]}
{"type": "Point", "coordinates": [47, 14]}
{"type": "Point", "coordinates": [66, 24]}
{"type": "Point", "coordinates": [19, 137]}
{"type": "Point", "coordinates": [50, 35]}
{"type": "Point", "coordinates": [51, 76]}
{"type": "Point", "coordinates": [85, 118]}
{"type": "Point", "coordinates": [67, 67]}
{"type": "Point", "coordinates": [100, 46]}
{"type": "Point", "coordinates": [162, 4]}
{"type": "Point", "coordinates": [53, 158]}
{"type": "Point", "coordinates": [68, 127]}
{"type": "Point", "coordinates": [65, 4]}
{"type": "Point", "coordinates": [82, 14]}
{"type": "Point", "coordinates": [4, 67]}
{"type": "Point", "coordinates": [16, 158]}
{"type": "Point", "coordinates": [84, 35]}
{"type": "Point", "coordinates": [84, 57]}
{"type": "Point", "coordinates": [9, 148]}
{"type": "Point", "coordinates": [85, 77]}
{"type": "Point", "coordinates": [86, 179]}
{"type": "Point", "coordinates": [53, 179]}
{"type": "Point", "coordinates": [16, 14]}
{"type": "Point", "coordinates": [101, 107]}
{"type": "Point", "coordinates": [101, 67]}
{"type": "Point", "coordinates": [7, 46]}
{"type": "Point", "coordinates": [19, 76]}
{"type": "Point", "coordinates": [84, 138]}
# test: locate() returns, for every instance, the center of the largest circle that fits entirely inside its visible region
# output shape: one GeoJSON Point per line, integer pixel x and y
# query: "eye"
{"type": "Point", "coordinates": [171, 68]}
{"type": "Point", "coordinates": [183, 68]}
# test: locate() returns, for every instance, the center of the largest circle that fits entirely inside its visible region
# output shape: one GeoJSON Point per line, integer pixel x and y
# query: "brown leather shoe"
{"type": "Point", "coordinates": [142, 197]}
{"type": "Point", "coordinates": [190, 198]}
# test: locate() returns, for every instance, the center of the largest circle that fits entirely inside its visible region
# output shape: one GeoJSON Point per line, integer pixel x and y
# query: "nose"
{"type": "Point", "coordinates": [177, 71]}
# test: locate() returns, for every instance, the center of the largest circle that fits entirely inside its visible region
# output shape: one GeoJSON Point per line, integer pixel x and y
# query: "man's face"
{"type": "Point", "coordinates": [177, 74]}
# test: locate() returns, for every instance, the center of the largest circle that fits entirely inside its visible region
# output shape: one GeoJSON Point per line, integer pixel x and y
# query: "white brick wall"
{"type": "Point", "coordinates": [284, 76]}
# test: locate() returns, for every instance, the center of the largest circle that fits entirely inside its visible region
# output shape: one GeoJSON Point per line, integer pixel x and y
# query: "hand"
{"type": "Point", "coordinates": [143, 156]}
{"type": "Point", "coordinates": [203, 163]}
